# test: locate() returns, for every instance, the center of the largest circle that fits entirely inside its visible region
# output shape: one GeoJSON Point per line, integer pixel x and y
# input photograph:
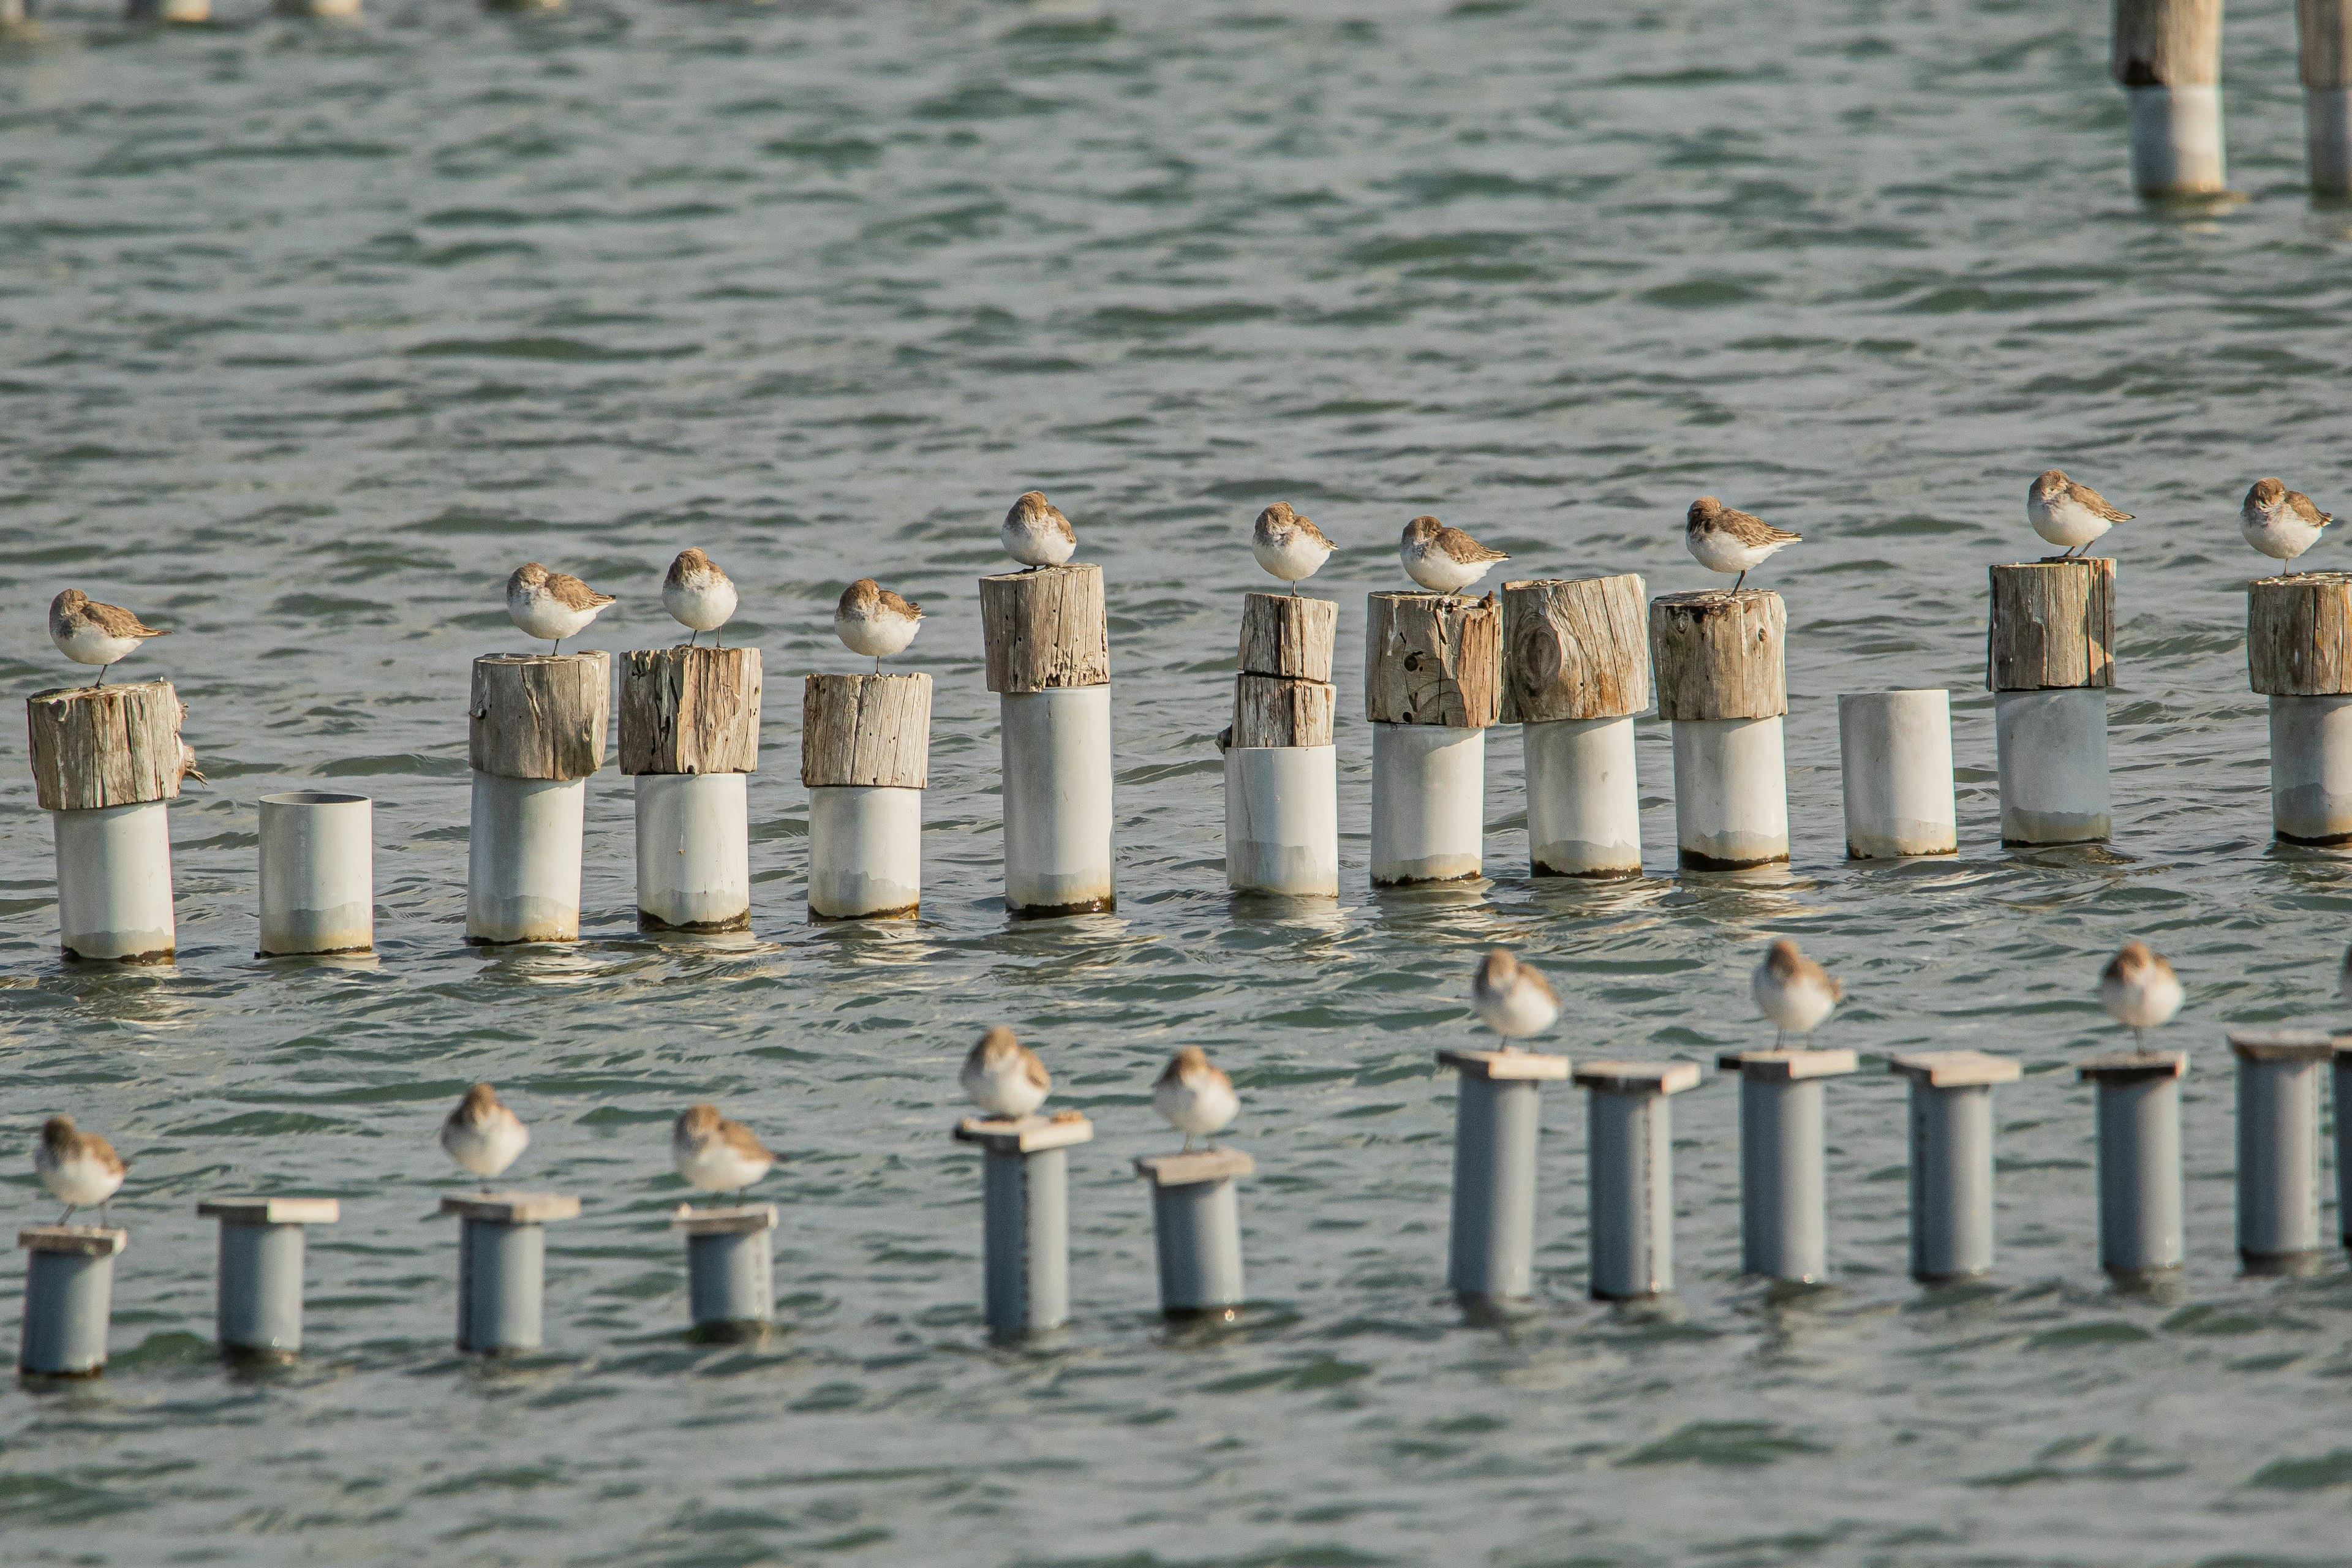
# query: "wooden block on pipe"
{"type": "Point", "coordinates": [865, 730]}
{"type": "Point", "coordinates": [2299, 634]}
{"type": "Point", "coordinates": [1784, 1066]}
{"type": "Point", "coordinates": [538, 715]}
{"type": "Point", "coordinates": [1433, 659]}
{"type": "Point", "coordinates": [1046, 629]}
{"type": "Point", "coordinates": [1956, 1070]}
{"type": "Point", "coordinates": [1288, 633]}
{"type": "Point", "coordinates": [2324, 27]}
{"type": "Point", "coordinates": [2125, 1067]}
{"type": "Point", "coordinates": [2281, 1045]}
{"type": "Point", "coordinates": [1506, 1067]}
{"type": "Point", "coordinates": [1271, 711]}
{"type": "Point", "coordinates": [690, 710]}
{"type": "Point", "coordinates": [741, 1219]}
{"type": "Point", "coordinates": [1575, 648]}
{"type": "Point", "coordinates": [1025, 1134]}
{"type": "Point", "coordinates": [74, 1240]}
{"type": "Point", "coordinates": [1638, 1077]}
{"type": "Point", "coordinates": [1720, 655]}
{"type": "Point", "coordinates": [2167, 43]}
{"type": "Point", "coordinates": [2053, 625]}
{"type": "Point", "coordinates": [96, 746]}
{"type": "Point", "coordinates": [272, 1211]}
{"type": "Point", "coordinates": [1210, 1165]}
{"type": "Point", "coordinates": [512, 1208]}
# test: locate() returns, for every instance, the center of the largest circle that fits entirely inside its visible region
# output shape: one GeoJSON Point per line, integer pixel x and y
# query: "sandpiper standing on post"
{"type": "Point", "coordinates": [716, 1154]}
{"type": "Point", "coordinates": [1036, 533]}
{"type": "Point", "coordinates": [1003, 1076]}
{"type": "Point", "coordinates": [1287, 545]}
{"type": "Point", "coordinates": [2066, 513]}
{"type": "Point", "coordinates": [1724, 539]}
{"type": "Point", "coordinates": [698, 595]}
{"type": "Point", "coordinates": [873, 621]}
{"type": "Point", "coordinates": [80, 1169]}
{"type": "Point", "coordinates": [1194, 1095]}
{"type": "Point", "coordinates": [1794, 992]}
{"type": "Point", "coordinates": [2139, 990]}
{"type": "Point", "coordinates": [551, 605]}
{"type": "Point", "coordinates": [1511, 998]}
{"type": "Point", "coordinates": [482, 1135]}
{"type": "Point", "coordinates": [2280, 522]}
{"type": "Point", "coordinates": [88, 632]}
{"type": "Point", "coordinates": [1441, 559]}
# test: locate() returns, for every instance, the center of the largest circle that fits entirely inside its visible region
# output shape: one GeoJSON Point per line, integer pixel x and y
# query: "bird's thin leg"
{"type": "Point", "coordinates": [1780, 1039]}
{"type": "Point", "coordinates": [717, 641]}
{"type": "Point", "coordinates": [1294, 587]}
{"type": "Point", "coordinates": [877, 664]}
{"type": "Point", "coordinates": [1188, 1143]}
{"type": "Point", "coordinates": [106, 1214]}
{"type": "Point", "coordinates": [2139, 1038]}
{"type": "Point", "coordinates": [66, 1217]}
{"type": "Point", "coordinates": [690, 635]}
{"type": "Point", "coordinates": [559, 647]}
{"type": "Point", "coordinates": [101, 677]}
{"type": "Point", "coordinates": [1739, 580]}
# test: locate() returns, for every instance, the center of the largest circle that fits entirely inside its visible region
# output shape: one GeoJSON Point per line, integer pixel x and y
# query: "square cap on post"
{"type": "Point", "coordinates": [2120, 1066]}
{"type": "Point", "coordinates": [1024, 1134]}
{"type": "Point", "coordinates": [511, 1208]}
{"type": "Point", "coordinates": [1505, 1065]}
{"type": "Point", "coordinates": [2280, 1044]}
{"type": "Point", "coordinates": [1199, 1166]}
{"type": "Point", "coordinates": [272, 1211]}
{"type": "Point", "coordinates": [1638, 1077]}
{"type": "Point", "coordinates": [1956, 1070]}
{"type": "Point", "coordinates": [741, 1219]}
{"type": "Point", "coordinates": [73, 1240]}
{"type": "Point", "coordinates": [1783, 1065]}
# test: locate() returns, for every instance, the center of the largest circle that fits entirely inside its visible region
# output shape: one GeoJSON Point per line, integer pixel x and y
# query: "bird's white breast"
{"type": "Point", "coordinates": [875, 636]}
{"type": "Point", "coordinates": [1035, 542]}
{"type": "Point", "coordinates": [1292, 556]}
{"type": "Point", "coordinates": [488, 1147]}
{"type": "Point", "coordinates": [1798, 1005]}
{"type": "Point", "coordinates": [1195, 1109]}
{"type": "Point", "coordinates": [1719, 550]}
{"type": "Point", "coordinates": [702, 607]}
{"type": "Point", "coordinates": [2279, 533]}
{"type": "Point", "coordinates": [1003, 1091]}
{"type": "Point", "coordinates": [78, 1179]}
{"type": "Point", "coordinates": [539, 614]}
{"type": "Point", "coordinates": [715, 1165]}
{"type": "Point", "coordinates": [1438, 571]}
{"type": "Point", "coordinates": [86, 644]}
{"type": "Point", "coordinates": [2066, 522]}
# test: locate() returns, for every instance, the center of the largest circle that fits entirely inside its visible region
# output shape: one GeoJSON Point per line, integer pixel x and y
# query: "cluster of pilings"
{"type": "Point", "coordinates": [2168, 58]}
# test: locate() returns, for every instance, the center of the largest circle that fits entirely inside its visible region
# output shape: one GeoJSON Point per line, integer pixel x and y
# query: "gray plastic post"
{"type": "Point", "coordinates": [2140, 1159]}
{"type": "Point", "coordinates": [1025, 1218]}
{"type": "Point", "coordinates": [731, 1274]}
{"type": "Point", "coordinates": [1497, 1121]}
{"type": "Point", "coordinates": [502, 1266]}
{"type": "Point", "coordinates": [1630, 1150]}
{"type": "Point", "coordinates": [1197, 1227]}
{"type": "Point", "coordinates": [2342, 1106]}
{"type": "Point", "coordinates": [259, 1304]}
{"type": "Point", "coordinates": [69, 1297]}
{"type": "Point", "coordinates": [2278, 1144]}
{"type": "Point", "coordinates": [1783, 1187]}
{"type": "Point", "coordinates": [1951, 1159]}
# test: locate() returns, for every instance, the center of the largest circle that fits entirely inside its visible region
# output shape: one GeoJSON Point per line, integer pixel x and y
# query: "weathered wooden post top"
{"type": "Point", "coordinates": [1576, 671]}
{"type": "Point", "coordinates": [2049, 662]}
{"type": "Point", "coordinates": [1721, 668]}
{"type": "Point", "coordinates": [1432, 687]}
{"type": "Point", "coordinates": [536, 731]}
{"type": "Point", "coordinates": [2167, 59]}
{"type": "Point", "coordinates": [1282, 776]}
{"type": "Point", "coordinates": [2299, 655]}
{"type": "Point", "coordinates": [105, 760]}
{"type": "Point", "coordinates": [690, 738]}
{"type": "Point", "coordinates": [1048, 643]}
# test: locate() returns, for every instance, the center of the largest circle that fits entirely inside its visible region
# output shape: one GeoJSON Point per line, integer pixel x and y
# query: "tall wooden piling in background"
{"type": "Point", "coordinates": [2049, 664]}
{"type": "Point", "coordinates": [1282, 776]}
{"type": "Point", "coordinates": [1576, 671]}
{"type": "Point", "coordinates": [2167, 59]}
{"type": "Point", "coordinates": [1432, 687]}
{"type": "Point", "coordinates": [2324, 27]}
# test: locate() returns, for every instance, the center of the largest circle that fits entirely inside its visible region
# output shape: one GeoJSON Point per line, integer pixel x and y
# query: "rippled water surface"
{"type": "Point", "coordinates": [308, 334]}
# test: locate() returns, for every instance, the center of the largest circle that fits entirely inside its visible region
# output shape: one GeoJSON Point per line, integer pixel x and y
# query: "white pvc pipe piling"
{"type": "Point", "coordinates": [1026, 1218]}
{"type": "Point", "coordinates": [866, 851]}
{"type": "Point", "coordinates": [69, 1297]}
{"type": "Point", "coordinates": [2138, 1113]}
{"type": "Point", "coordinates": [1497, 1121]}
{"type": "Point", "coordinates": [522, 863]}
{"type": "Point", "coordinates": [2278, 1145]}
{"type": "Point", "coordinates": [1057, 801]}
{"type": "Point", "coordinates": [1282, 820]}
{"type": "Point", "coordinates": [317, 873]}
{"type": "Point", "coordinates": [258, 1308]}
{"type": "Point", "coordinates": [2052, 754]}
{"type": "Point", "coordinates": [1197, 1230]}
{"type": "Point", "coordinates": [114, 882]}
{"type": "Point", "coordinates": [730, 1269]}
{"type": "Point", "coordinates": [1584, 800]}
{"type": "Point", "coordinates": [1731, 793]}
{"type": "Point", "coordinates": [1629, 1148]}
{"type": "Point", "coordinates": [2176, 140]}
{"type": "Point", "coordinates": [1783, 1180]}
{"type": "Point", "coordinates": [1429, 804]}
{"type": "Point", "coordinates": [2311, 769]}
{"type": "Point", "coordinates": [502, 1267]}
{"type": "Point", "coordinates": [1894, 754]}
{"type": "Point", "coordinates": [1951, 1159]}
{"type": "Point", "coordinates": [694, 851]}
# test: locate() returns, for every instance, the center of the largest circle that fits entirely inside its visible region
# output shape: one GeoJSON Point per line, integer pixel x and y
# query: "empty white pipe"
{"type": "Point", "coordinates": [1584, 802]}
{"type": "Point", "coordinates": [2176, 140]}
{"type": "Point", "coordinates": [318, 872]}
{"type": "Point", "coordinates": [1282, 820]}
{"type": "Point", "coordinates": [2327, 137]}
{"type": "Point", "coordinates": [114, 882]}
{"type": "Point", "coordinates": [694, 851]}
{"type": "Point", "coordinates": [2052, 749]}
{"type": "Point", "coordinates": [1895, 757]}
{"type": "Point", "coordinates": [522, 862]}
{"type": "Point", "coordinates": [1429, 803]}
{"type": "Point", "coordinates": [1057, 806]}
{"type": "Point", "coordinates": [2311, 769]}
{"type": "Point", "coordinates": [866, 851]}
{"type": "Point", "coordinates": [1731, 793]}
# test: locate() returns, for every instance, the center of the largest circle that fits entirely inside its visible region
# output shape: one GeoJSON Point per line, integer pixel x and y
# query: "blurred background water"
{"type": "Point", "coordinates": [309, 333]}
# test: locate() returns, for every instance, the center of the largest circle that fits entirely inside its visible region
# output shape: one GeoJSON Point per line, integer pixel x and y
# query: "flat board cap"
{"type": "Point", "coordinates": [2124, 1065]}
{"type": "Point", "coordinates": [272, 1211]}
{"type": "Point", "coordinates": [741, 1220]}
{"type": "Point", "coordinates": [512, 1208]}
{"type": "Point", "coordinates": [2280, 1044]}
{"type": "Point", "coordinates": [1504, 1065]}
{"type": "Point", "coordinates": [1787, 1066]}
{"type": "Point", "coordinates": [1957, 1069]}
{"type": "Point", "coordinates": [1025, 1134]}
{"type": "Point", "coordinates": [1201, 1165]}
{"type": "Point", "coordinates": [76, 1240]}
{"type": "Point", "coordinates": [1638, 1077]}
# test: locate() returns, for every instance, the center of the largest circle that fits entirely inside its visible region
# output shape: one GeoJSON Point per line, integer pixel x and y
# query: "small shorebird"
{"type": "Point", "coordinates": [80, 1169]}
{"type": "Point", "coordinates": [1036, 533]}
{"type": "Point", "coordinates": [873, 621]}
{"type": "Point", "coordinates": [2139, 990]}
{"type": "Point", "coordinates": [698, 595]}
{"type": "Point", "coordinates": [1511, 998]}
{"type": "Point", "coordinates": [188, 769]}
{"type": "Point", "coordinates": [88, 632]}
{"type": "Point", "coordinates": [482, 1135]}
{"type": "Point", "coordinates": [1194, 1095]}
{"type": "Point", "coordinates": [1441, 559]}
{"type": "Point", "coordinates": [551, 605]}
{"type": "Point", "coordinates": [1724, 539]}
{"type": "Point", "coordinates": [1003, 1076]}
{"type": "Point", "coordinates": [715, 1154]}
{"type": "Point", "coordinates": [2280, 522]}
{"type": "Point", "coordinates": [1287, 545]}
{"type": "Point", "coordinates": [1794, 992]}
{"type": "Point", "coordinates": [2066, 513]}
